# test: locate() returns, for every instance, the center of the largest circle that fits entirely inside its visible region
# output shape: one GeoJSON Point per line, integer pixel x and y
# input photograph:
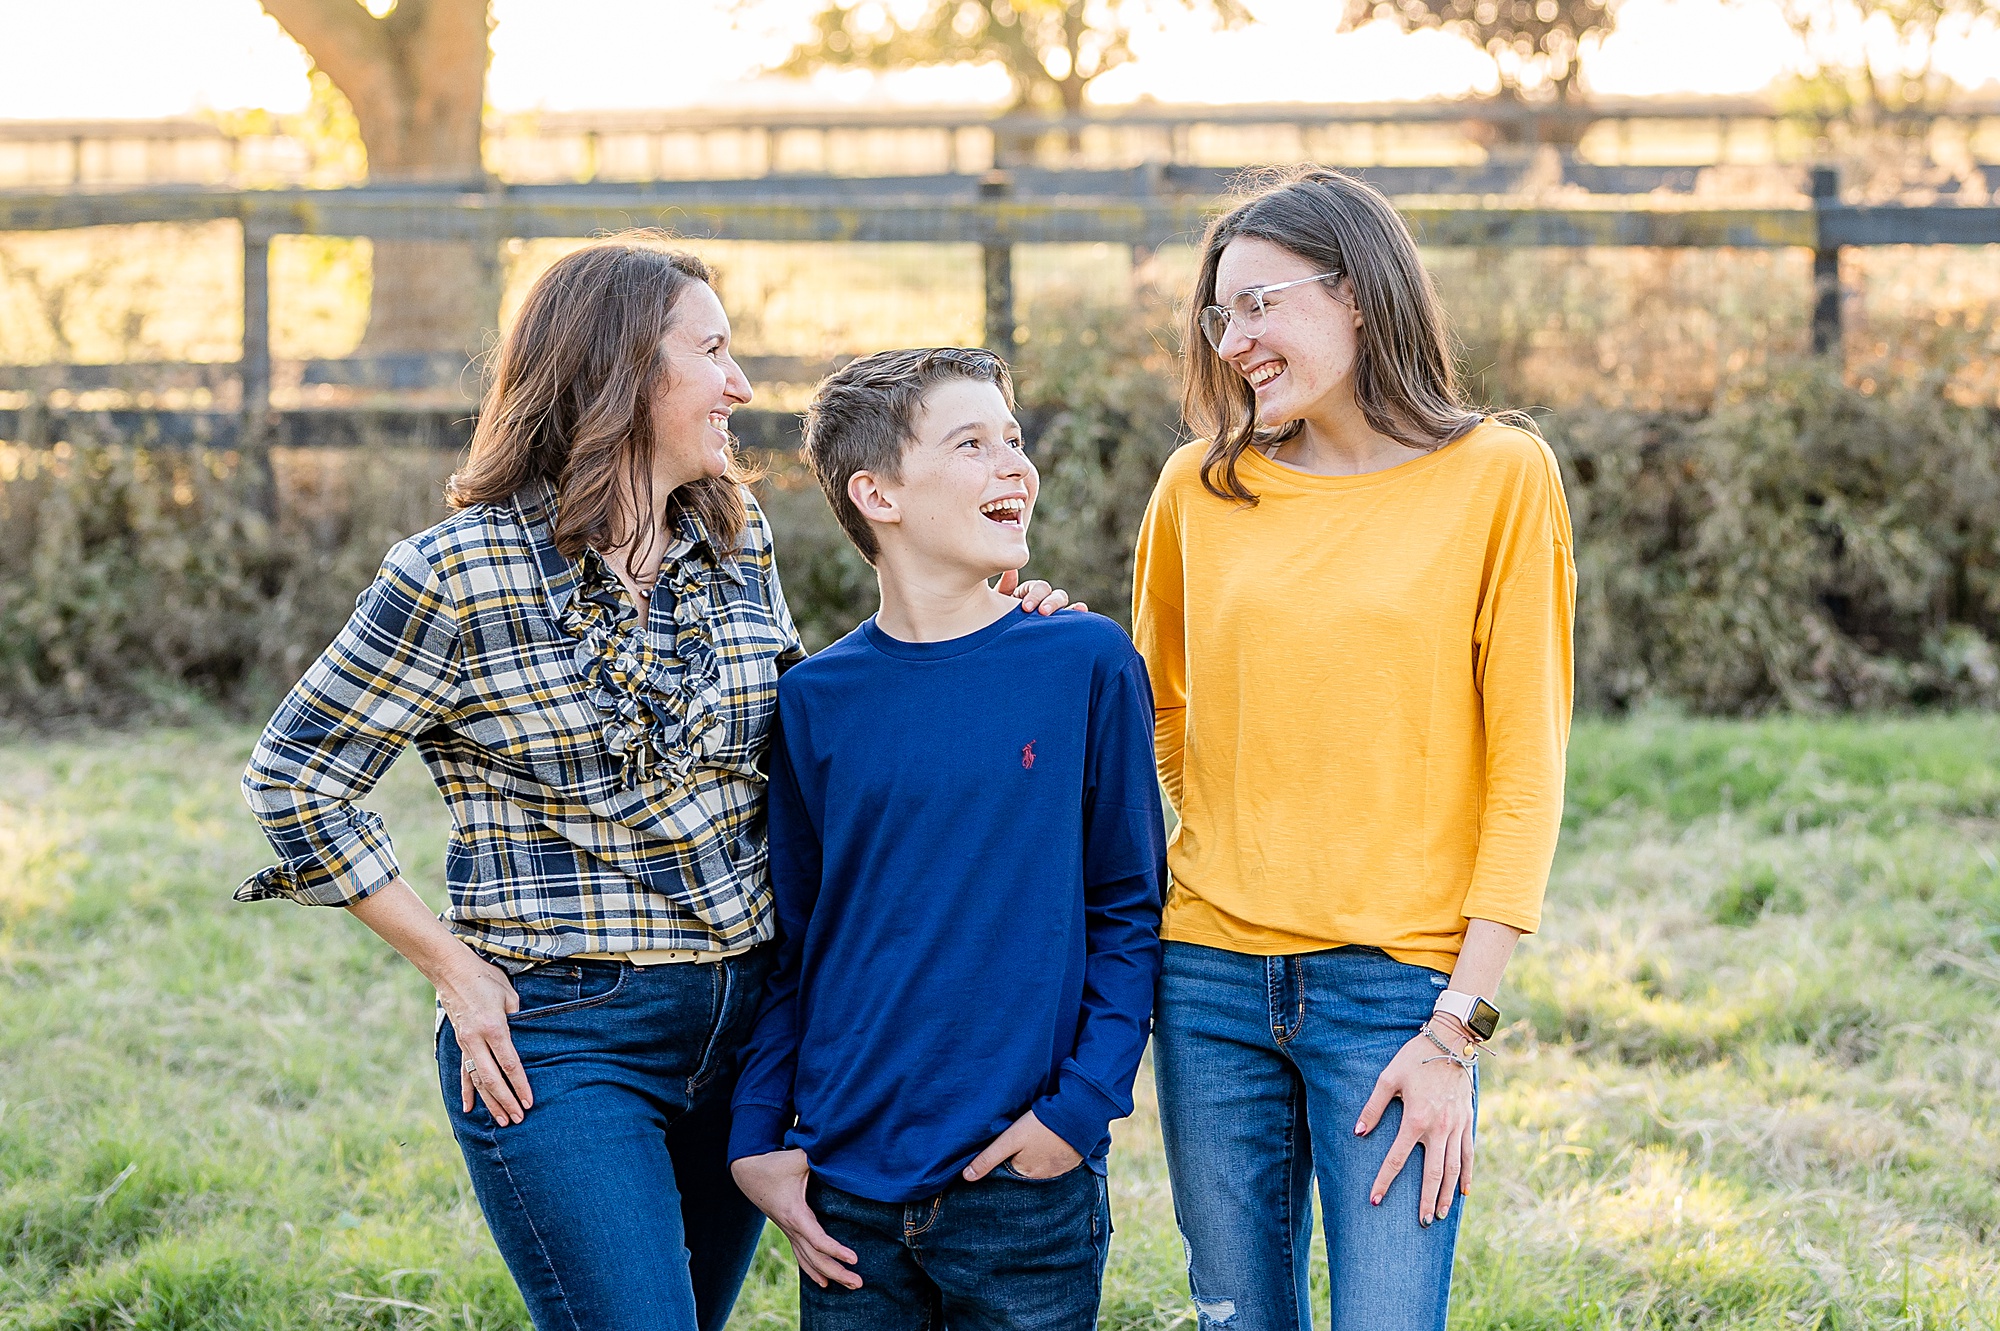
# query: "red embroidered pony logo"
{"type": "Point", "coordinates": [1028, 754]}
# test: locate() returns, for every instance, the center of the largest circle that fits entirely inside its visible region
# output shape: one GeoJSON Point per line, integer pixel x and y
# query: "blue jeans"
{"type": "Point", "coordinates": [1004, 1254]}
{"type": "Point", "coordinates": [612, 1201]}
{"type": "Point", "coordinates": [1264, 1064]}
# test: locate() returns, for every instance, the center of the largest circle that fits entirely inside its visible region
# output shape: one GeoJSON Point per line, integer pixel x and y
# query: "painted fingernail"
{"type": "Point", "coordinates": [1357, 1129]}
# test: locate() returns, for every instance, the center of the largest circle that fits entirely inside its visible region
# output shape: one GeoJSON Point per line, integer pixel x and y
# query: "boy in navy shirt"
{"type": "Point", "coordinates": [968, 860]}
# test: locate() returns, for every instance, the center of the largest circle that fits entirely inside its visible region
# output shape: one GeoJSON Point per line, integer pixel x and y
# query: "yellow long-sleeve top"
{"type": "Point", "coordinates": [1363, 693]}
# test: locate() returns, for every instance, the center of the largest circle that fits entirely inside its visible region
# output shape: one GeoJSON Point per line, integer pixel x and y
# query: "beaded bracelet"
{"type": "Point", "coordinates": [1468, 1060]}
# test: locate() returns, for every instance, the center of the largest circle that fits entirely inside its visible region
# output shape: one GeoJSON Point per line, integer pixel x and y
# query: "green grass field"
{"type": "Point", "coordinates": [1752, 1076]}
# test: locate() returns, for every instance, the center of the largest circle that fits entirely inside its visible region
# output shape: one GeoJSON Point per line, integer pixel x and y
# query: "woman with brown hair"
{"type": "Point", "coordinates": [1354, 599]}
{"type": "Point", "coordinates": [586, 655]}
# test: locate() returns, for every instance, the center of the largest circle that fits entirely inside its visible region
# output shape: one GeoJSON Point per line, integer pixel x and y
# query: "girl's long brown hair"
{"type": "Point", "coordinates": [1405, 375]}
{"type": "Point", "coordinates": [571, 400]}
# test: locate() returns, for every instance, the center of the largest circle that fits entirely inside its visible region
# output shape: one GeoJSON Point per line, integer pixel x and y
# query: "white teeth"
{"type": "Point", "coordinates": [1265, 373]}
{"type": "Point", "coordinates": [1004, 506]}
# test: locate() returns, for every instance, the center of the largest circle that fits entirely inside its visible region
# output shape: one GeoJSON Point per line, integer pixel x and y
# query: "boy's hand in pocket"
{"type": "Point", "coordinates": [776, 1184]}
{"type": "Point", "coordinates": [1035, 1151]}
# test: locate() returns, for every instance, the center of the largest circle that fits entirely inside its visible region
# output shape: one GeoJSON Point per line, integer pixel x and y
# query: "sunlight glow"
{"type": "Point", "coordinates": [147, 59]}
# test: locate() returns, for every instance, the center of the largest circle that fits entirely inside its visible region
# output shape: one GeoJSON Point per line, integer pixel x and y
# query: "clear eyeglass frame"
{"type": "Point", "coordinates": [1246, 310]}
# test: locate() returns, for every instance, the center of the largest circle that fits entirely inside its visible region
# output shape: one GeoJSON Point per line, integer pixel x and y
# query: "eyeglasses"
{"type": "Point", "coordinates": [1245, 310]}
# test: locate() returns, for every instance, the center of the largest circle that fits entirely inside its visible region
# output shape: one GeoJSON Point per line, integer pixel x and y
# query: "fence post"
{"type": "Point", "coordinates": [998, 263]}
{"type": "Point", "coordinates": [253, 370]}
{"type": "Point", "coordinates": [1826, 265]}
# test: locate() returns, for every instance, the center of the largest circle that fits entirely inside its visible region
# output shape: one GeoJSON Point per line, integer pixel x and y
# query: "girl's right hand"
{"type": "Point", "coordinates": [1437, 1115]}
{"type": "Point", "coordinates": [477, 996]}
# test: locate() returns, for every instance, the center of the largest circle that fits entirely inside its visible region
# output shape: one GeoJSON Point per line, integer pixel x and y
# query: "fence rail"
{"type": "Point", "coordinates": [400, 372]}
{"type": "Point", "coordinates": [1141, 207]}
{"type": "Point", "coordinates": [763, 142]}
{"type": "Point", "coordinates": [36, 426]}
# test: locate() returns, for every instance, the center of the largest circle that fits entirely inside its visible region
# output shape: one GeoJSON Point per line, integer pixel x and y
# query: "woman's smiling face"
{"type": "Point", "coordinates": [692, 400]}
{"type": "Point", "coordinates": [1303, 362]}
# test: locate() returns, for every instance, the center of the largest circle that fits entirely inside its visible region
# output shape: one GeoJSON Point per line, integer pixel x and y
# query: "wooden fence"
{"type": "Point", "coordinates": [1144, 207]}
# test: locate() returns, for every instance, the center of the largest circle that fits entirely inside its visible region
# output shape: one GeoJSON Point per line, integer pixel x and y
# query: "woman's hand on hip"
{"type": "Point", "coordinates": [776, 1184]}
{"type": "Point", "coordinates": [1437, 1115]}
{"type": "Point", "coordinates": [477, 996]}
{"type": "Point", "coordinates": [1035, 595]}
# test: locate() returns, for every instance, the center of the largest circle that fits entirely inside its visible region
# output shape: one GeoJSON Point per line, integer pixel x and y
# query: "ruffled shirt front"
{"type": "Point", "coordinates": [660, 694]}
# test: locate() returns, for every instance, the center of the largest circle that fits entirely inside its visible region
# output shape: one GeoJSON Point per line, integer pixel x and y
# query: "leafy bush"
{"type": "Point", "coordinates": [1805, 546]}
{"type": "Point", "coordinates": [148, 583]}
{"type": "Point", "coordinates": [1101, 391]}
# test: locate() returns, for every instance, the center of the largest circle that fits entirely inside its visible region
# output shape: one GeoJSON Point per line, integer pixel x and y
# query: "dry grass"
{"type": "Point", "coordinates": [1750, 1079]}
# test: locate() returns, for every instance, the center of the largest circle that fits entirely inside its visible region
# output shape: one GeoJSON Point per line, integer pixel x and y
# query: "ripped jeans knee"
{"type": "Point", "coordinates": [1210, 1314]}
{"type": "Point", "coordinates": [1215, 1313]}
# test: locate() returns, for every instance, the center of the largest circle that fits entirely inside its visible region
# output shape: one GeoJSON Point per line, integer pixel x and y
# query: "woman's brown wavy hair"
{"type": "Point", "coordinates": [571, 399]}
{"type": "Point", "coordinates": [1405, 373]}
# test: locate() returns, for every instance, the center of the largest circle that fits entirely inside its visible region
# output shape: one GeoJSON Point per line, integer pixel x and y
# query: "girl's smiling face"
{"type": "Point", "coordinates": [1302, 364]}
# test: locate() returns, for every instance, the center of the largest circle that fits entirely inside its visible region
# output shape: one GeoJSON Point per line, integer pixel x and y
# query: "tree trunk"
{"type": "Point", "coordinates": [416, 79]}
{"type": "Point", "coordinates": [433, 296]}
{"type": "Point", "coordinates": [1073, 82]}
{"type": "Point", "coordinates": [1072, 103]}
{"type": "Point", "coordinates": [1013, 148]}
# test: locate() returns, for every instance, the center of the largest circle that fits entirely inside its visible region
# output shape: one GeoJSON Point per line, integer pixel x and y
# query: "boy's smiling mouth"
{"type": "Point", "coordinates": [1007, 512]}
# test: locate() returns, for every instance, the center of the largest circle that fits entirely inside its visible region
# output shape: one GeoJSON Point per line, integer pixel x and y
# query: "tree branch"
{"type": "Point", "coordinates": [1019, 36]}
{"type": "Point", "coordinates": [347, 43]}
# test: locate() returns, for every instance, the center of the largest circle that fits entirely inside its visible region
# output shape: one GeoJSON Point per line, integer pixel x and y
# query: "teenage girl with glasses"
{"type": "Point", "coordinates": [1355, 599]}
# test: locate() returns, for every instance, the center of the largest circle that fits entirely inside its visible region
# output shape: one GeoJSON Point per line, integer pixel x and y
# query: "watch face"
{"type": "Point", "coordinates": [1485, 1018]}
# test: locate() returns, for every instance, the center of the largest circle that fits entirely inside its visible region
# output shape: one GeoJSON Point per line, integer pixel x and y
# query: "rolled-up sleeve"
{"type": "Point", "coordinates": [393, 671]}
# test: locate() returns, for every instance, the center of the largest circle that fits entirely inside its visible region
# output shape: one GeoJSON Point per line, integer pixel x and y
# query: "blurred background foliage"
{"type": "Point", "coordinates": [1756, 531]}
{"type": "Point", "coordinates": [1799, 542]}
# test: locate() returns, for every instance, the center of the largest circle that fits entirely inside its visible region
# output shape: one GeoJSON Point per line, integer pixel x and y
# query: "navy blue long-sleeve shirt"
{"type": "Point", "coordinates": [968, 860]}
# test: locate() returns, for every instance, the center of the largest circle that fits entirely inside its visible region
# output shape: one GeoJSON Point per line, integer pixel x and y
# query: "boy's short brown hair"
{"type": "Point", "coordinates": [862, 416]}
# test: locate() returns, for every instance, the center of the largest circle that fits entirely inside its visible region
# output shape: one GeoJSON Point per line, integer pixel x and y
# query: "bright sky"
{"type": "Point", "coordinates": [90, 59]}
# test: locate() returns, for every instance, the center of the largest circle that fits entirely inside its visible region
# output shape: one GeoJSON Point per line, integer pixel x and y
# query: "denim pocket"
{"type": "Point", "coordinates": [561, 987]}
{"type": "Point", "coordinates": [1006, 1169]}
{"type": "Point", "coordinates": [1397, 993]}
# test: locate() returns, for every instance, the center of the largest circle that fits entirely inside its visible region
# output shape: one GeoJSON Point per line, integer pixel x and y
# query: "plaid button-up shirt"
{"type": "Point", "coordinates": [556, 848]}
